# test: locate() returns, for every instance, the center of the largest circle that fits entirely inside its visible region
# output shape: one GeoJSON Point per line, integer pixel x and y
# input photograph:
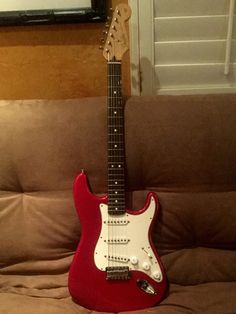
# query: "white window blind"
{"type": "Point", "coordinates": [190, 39]}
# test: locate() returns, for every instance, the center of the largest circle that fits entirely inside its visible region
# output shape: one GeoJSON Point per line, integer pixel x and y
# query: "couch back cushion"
{"type": "Point", "coordinates": [182, 147]}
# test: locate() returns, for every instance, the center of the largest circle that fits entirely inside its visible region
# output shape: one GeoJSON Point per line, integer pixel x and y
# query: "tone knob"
{"type": "Point", "coordinates": [146, 266]}
{"type": "Point", "coordinates": [134, 260]}
{"type": "Point", "coordinates": [157, 276]}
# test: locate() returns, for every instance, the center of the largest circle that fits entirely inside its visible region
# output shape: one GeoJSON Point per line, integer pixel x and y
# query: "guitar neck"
{"type": "Point", "coordinates": [116, 146]}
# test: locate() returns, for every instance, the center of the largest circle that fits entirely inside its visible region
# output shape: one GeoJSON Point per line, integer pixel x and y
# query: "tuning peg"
{"type": "Point", "coordinates": [111, 9]}
{"type": "Point", "coordinates": [101, 47]}
{"type": "Point", "coordinates": [105, 32]}
{"type": "Point", "coordinates": [102, 40]}
{"type": "Point", "coordinates": [107, 25]}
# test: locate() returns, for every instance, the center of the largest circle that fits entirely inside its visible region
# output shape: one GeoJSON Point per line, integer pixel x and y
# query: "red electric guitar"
{"type": "Point", "coordinates": [116, 266]}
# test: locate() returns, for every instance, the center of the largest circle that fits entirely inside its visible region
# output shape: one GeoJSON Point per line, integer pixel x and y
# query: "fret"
{"type": "Point", "coordinates": [116, 156]}
{"type": "Point", "coordinates": [115, 174]}
{"type": "Point", "coordinates": [113, 199]}
{"type": "Point", "coordinates": [115, 150]}
{"type": "Point", "coordinates": [116, 210]}
{"type": "Point", "coordinates": [110, 155]}
{"type": "Point", "coordinates": [115, 117]}
{"type": "Point", "coordinates": [113, 159]}
{"type": "Point", "coordinates": [119, 199]}
{"type": "Point", "coordinates": [118, 125]}
{"type": "Point", "coordinates": [113, 171]}
{"type": "Point", "coordinates": [116, 185]}
{"type": "Point", "coordinates": [115, 182]}
{"type": "Point", "coordinates": [117, 142]}
{"type": "Point", "coordinates": [119, 109]}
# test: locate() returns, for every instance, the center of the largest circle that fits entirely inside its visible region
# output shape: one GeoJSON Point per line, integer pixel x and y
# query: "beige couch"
{"type": "Point", "coordinates": [182, 147]}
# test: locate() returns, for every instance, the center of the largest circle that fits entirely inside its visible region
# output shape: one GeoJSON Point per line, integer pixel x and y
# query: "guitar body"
{"type": "Point", "coordinates": [88, 281]}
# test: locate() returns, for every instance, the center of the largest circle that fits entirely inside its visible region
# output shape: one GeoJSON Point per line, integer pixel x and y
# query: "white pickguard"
{"type": "Point", "coordinates": [124, 242]}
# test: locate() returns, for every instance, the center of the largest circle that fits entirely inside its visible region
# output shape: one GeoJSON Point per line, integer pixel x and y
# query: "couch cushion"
{"type": "Point", "coordinates": [11, 303]}
{"type": "Point", "coordinates": [182, 147]}
{"type": "Point", "coordinates": [206, 298]}
{"type": "Point", "coordinates": [210, 298]}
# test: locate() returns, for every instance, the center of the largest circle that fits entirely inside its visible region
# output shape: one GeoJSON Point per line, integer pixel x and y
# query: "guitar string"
{"type": "Point", "coordinates": [108, 225]}
{"type": "Point", "coordinates": [118, 141]}
{"type": "Point", "coordinates": [119, 121]}
{"type": "Point", "coordinates": [112, 152]}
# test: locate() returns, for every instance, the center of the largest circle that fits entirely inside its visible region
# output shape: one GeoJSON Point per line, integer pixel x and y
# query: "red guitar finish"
{"type": "Point", "coordinates": [87, 284]}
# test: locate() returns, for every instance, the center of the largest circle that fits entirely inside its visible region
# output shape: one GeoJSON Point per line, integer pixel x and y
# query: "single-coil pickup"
{"type": "Point", "coordinates": [116, 222]}
{"type": "Point", "coordinates": [117, 241]}
{"type": "Point", "coordinates": [120, 259]}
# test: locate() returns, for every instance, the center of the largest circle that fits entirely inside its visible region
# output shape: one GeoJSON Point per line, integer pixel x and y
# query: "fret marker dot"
{"type": "Point", "coordinates": [119, 166]}
{"type": "Point", "coordinates": [114, 91]}
{"type": "Point", "coordinates": [112, 166]}
{"type": "Point", "coordinates": [115, 130]}
{"type": "Point", "coordinates": [115, 145]}
{"type": "Point", "coordinates": [115, 182]}
{"type": "Point", "coordinates": [116, 201]}
{"type": "Point", "coordinates": [116, 192]}
{"type": "Point", "coordinates": [115, 112]}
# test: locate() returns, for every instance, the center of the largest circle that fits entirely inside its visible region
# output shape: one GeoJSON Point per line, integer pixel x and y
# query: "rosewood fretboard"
{"type": "Point", "coordinates": [116, 147]}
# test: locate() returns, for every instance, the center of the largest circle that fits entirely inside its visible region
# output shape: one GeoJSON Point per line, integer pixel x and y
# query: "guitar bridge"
{"type": "Point", "coordinates": [118, 273]}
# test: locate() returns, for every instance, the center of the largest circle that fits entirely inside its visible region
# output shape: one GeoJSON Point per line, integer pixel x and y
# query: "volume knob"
{"type": "Point", "coordinates": [146, 266]}
{"type": "Point", "coordinates": [157, 276]}
{"type": "Point", "coordinates": [134, 260]}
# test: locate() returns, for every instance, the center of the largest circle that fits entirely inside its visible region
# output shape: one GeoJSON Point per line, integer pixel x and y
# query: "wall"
{"type": "Point", "coordinates": [54, 62]}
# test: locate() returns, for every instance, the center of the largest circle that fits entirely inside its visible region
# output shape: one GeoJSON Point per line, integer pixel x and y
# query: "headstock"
{"type": "Point", "coordinates": [116, 43]}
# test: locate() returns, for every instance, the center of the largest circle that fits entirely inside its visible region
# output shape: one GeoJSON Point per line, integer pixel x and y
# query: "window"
{"type": "Point", "coordinates": [183, 46]}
